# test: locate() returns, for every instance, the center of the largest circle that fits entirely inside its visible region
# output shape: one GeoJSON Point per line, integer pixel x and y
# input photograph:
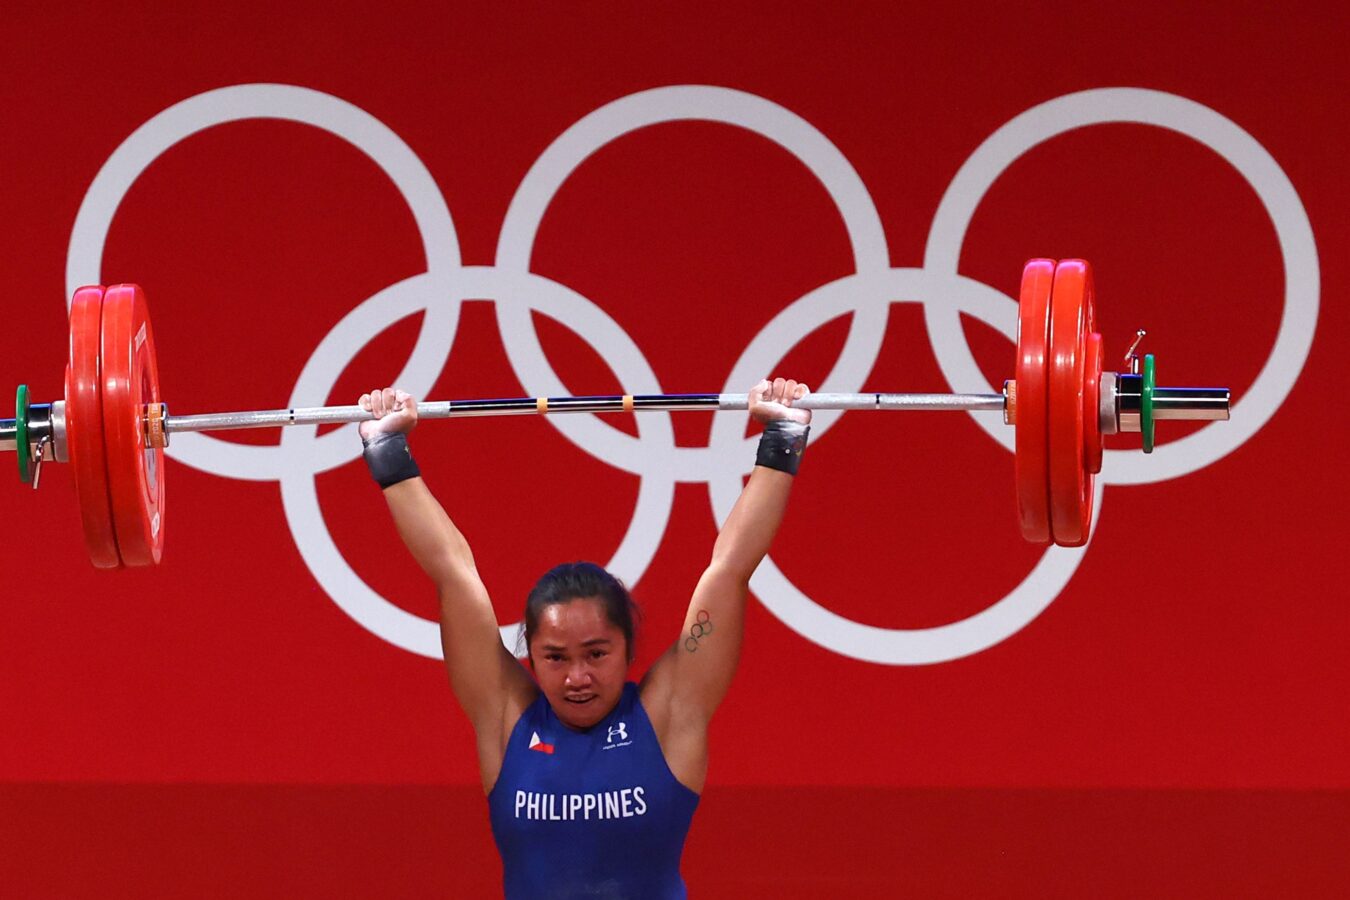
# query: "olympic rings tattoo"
{"type": "Point", "coordinates": [701, 628]}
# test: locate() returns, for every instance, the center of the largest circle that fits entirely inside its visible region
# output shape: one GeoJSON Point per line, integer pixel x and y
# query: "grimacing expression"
{"type": "Point", "coordinates": [580, 659]}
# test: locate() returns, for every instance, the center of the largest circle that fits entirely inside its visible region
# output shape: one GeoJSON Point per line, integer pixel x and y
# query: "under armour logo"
{"type": "Point", "coordinates": [619, 730]}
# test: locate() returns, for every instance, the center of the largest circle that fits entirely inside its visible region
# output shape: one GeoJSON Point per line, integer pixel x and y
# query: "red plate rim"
{"type": "Point", "coordinates": [1070, 482]}
{"type": "Point", "coordinates": [130, 383]}
{"type": "Point", "coordinates": [1031, 457]}
{"type": "Point", "coordinates": [84, 427]}
{"type": "Point", "coordinates": [1092, 393]}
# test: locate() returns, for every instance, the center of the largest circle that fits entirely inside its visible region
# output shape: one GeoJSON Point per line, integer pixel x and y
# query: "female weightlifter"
{"type": "Point", "coordinates": [591, 780]}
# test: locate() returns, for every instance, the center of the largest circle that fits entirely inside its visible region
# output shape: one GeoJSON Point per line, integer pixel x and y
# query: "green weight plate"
{"type": "Point", "coordinates": [21, 448]}
{"type": "Point", "coordinates": [1146, 403]}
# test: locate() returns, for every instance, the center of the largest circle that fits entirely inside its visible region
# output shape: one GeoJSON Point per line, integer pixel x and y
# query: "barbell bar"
{"type": "Point", "coordinates": [112, 427]}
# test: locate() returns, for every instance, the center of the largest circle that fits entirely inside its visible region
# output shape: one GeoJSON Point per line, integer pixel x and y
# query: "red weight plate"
{"type": "Point", "coordinates": [84, 427]}
{"type": "Point", "coordinates": [1092, 393]}
{"type": "Point", "coordinates": [1031, 465]}
{"type": "Point", "coordinates": [130, 383]}
{"type": "Point", "coordinates": [1070, 481]}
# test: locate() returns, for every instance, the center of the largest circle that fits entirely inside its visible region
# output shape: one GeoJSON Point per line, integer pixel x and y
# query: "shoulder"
{"type": "Point", "coordinates": [633, 700]}
{"type": "Point", "coordinates": [528, 706]}
{"type": "Point", "coordinates": [654, 693]}
{"type": "Point", "coordinates": [660, 695]}
{"type": "Point", "coordinates": [521, 714]}
{"type": "Point", "coordinates": [659, 702]}
{"type": "Point", "coordinates": [681, 736]}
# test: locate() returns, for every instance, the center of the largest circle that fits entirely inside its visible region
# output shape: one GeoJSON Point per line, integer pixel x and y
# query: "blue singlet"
{"type": "Point", "coordinates": [593, 813]}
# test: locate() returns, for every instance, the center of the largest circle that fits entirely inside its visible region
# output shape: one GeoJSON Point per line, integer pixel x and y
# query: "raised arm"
{"type": "Point", "coordinates": [487, 680]}
{"type": "Point", "coordinates": [685, 686]}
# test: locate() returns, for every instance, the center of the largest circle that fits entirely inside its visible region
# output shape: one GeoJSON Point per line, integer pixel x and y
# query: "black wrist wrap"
{"type": "Point", "coordinates": [781, 445]}
{"type": "Point", "coordinates": [389, 459]}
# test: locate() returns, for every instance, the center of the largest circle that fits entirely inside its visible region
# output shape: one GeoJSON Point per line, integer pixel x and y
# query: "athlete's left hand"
{"type": "Point", "coordinates": [771, 400]}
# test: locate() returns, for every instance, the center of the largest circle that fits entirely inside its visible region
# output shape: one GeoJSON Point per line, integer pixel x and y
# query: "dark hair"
{"type": "Point", "coordinates": [571, 581]}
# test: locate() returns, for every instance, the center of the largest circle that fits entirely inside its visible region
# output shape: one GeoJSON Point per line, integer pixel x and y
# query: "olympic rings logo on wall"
{"type": "Point", "coordinates": [653, 455]}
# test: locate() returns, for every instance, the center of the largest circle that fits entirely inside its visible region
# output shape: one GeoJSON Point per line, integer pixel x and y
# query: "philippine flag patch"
{"type": "Point", "coordinates": [536, 744]}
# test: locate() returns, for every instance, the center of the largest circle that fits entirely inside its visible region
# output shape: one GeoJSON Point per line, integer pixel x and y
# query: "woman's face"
{"type": "Point", "coordinates": [580, 659]}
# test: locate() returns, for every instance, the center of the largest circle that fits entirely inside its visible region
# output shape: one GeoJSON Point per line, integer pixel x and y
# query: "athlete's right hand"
{"type": "Point", "coordinates": [395, 411]}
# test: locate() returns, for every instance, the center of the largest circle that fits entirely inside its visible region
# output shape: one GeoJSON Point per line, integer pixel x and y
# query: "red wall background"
{"type": "Point", "coordinates": [1173, 722]}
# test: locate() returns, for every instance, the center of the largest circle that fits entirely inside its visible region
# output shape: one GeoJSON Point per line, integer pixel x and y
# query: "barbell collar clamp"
{"type": "Point", "coordinates": [44, 421]}
{"type": "Point", "coordinates": [39, 424]}
{"type": "Point", "coordinates": [1108, 403]}
{"type": "Point", "coordinates": [58, 418]}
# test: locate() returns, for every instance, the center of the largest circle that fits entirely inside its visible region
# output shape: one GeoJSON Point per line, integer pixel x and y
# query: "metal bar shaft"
{"type": "Point", "coordinates": [517, 406]}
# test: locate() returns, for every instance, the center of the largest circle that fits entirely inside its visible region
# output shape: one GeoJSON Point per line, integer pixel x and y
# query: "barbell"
{"type": "Point", "coordinates": [112, 427]}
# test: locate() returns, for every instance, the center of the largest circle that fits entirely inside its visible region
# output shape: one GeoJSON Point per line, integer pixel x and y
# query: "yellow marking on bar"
{"type": "Point", "coordinates": [627, 403]}
{"type": "Point", "coordinates": [541, 404]}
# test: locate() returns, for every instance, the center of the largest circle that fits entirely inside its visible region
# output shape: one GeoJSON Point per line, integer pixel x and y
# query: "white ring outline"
{"type": "Point", "coordinates": [1233, 145]}
{"type": "Point", "coordinates": [822, 626]}
{"type": "Point", "coordinates": [901, 646]}
{"type": "Point", "coordinates": [893, 646]}
{"type": "Point", "coordinates": [84, 261]}
{"type": "Point", "coordinates": [299, 488]}
{"type": "Point", "coordinates": [658, 106]}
